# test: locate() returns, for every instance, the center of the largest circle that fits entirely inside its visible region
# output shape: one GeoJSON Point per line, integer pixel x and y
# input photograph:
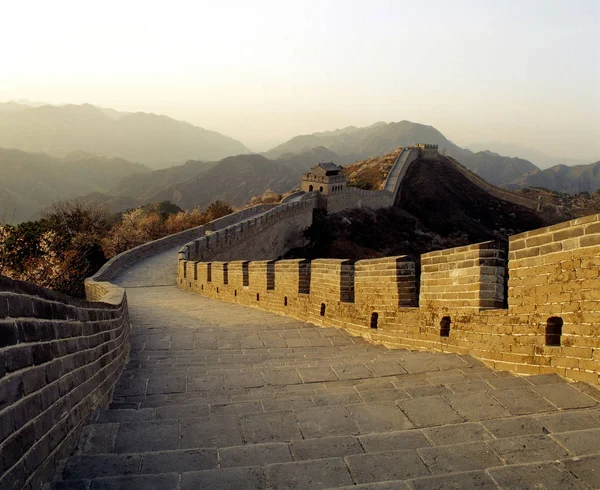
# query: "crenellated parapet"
{"type": "Point", "coordinates": [535, 309]}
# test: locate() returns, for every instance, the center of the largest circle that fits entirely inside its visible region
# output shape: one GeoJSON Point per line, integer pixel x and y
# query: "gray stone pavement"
{"type": "Point", "coordinates": [220, 396]}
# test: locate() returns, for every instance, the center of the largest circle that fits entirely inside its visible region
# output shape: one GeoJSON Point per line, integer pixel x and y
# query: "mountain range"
{"type": "Point", "coordinates": [29, 182]}
{"type": "Point", "coordinates": [156, 141]}
{"type": "Point", "coordinates": [217, 167]}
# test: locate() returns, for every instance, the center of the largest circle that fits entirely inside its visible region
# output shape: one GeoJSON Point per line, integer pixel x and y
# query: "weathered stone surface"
{"type": "Point", "coordinates": [388, 465]}
{"type": "Point", "coordinates": [550, 476]}
{"type": "Point", "coordinates": [527, 449]}
{"type": "Point", "coordinates": [255, 455]}
{"type": "Point", "coordinates": [459, 457]}
{"type": "Point", "coordinates": [429, 411]}
{"type": "Point", "coordinates": [308, 475]}
{"type": "Point", "coordinates": [326, 447]}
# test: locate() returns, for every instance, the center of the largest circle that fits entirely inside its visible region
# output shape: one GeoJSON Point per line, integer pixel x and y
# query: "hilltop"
{"type": "Point", "coordinates": [352, 144]}
{"type": "Point", "coordinates": [439, 208]}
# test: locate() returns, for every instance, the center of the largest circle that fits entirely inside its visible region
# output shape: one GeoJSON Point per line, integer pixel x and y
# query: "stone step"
{"type": "Point", "coordinates": [416, 456]}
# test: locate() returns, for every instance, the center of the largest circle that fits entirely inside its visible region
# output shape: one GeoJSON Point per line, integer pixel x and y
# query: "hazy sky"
{"type": "Point", "coordinates": [526, 72]}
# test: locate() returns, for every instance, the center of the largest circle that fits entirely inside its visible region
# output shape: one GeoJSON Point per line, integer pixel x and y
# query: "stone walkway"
{"type": "Point", "coordinates": [219, 396]}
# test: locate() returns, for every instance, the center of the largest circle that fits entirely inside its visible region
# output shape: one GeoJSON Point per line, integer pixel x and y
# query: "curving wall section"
{"type": "Point", "coordinates": [266, 235]}
{"type": "Point", "coordinates": [537, 312]}
{"type": "Point", "coordinates": [60, 358]}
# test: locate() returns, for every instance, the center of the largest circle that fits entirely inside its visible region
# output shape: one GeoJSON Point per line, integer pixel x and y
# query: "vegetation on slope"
{"type": "Point", "coordinates": [73, 240]}
{"type": "Point", "coordinates": [29, 182]}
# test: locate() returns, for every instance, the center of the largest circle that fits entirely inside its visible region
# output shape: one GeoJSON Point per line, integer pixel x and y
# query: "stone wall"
{"type": "Point", "coordinates": [547, 323]}
{"type": "Point", "coordinates": [98, 285]}
{"type": "Point", "coordinates": [353, 198]}
{"type": "Point", "coordinates": [464, 277]}
{"type": "Point", "coordinates": [60, 358]}
{"type": "Point", "coordinates": [491, 189]}
{"type": "Point", "coordinates": [266, 236]}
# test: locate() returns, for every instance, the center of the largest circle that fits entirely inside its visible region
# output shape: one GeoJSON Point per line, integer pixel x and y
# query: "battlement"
{"type": "Point", "coordinates": [532, 309]}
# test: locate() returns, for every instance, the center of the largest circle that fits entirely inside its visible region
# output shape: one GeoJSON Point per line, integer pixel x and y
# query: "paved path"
{"type": "Point", "coordinates": [219, 396]}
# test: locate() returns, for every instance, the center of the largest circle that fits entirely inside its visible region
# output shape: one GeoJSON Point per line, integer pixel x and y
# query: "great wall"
{"type": "Point", "coordinates": [410, 373]}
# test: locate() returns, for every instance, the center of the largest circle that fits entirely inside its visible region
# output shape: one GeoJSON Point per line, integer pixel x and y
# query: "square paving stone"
{"type": "Point", "coordinates": [309, 475]}
{"type": "Point", "coordinates": [456, 434]}
{"type": "Point", "coordinates": [460, 481]}
{"type": "Point", "coordinates": [352, 371]}
{"type": "Point", "coordinates": [168, 481]}
{"type": "Point", "coordinates": [326, 421]}
{"type": "Point", "coordinates": [459, 457]}
{"type": "Point", "coordinates": [182, 411]}
{"type": "Point", "coordinates": [210, 432]}
{"type": "Point", "coordinates": [379, 417]}
{"type": "Point", "coordinates": [250, 379]}
{"type": "Point", "coordinates": [514, 426]}
{"type": "Point", "coordinates": [431, 390]}
{"type": "Point", "coordinates": [71, 485]}
{"type": "Point", "coordinates": [236, 408]}
{"type": "Point", "coordinates": [522, 401]}
{"type": "Point", "coordinates": [374, 384]}
{"type": "Point", "coordinates": [469, 386]}
{"type": "Point", "coordinates": [147, 436]}
{"type": "Point", "coordinates": [581, 442]}
{"type": "Point", "coordinates": [179, 461]}
{"type": "Point", "coordinates": [247, 478]}
{"type": "Point", "coordinates": [291, 402]}
{"type": "Point", "coordinates": [546, 476]}
{"type": "Point", "coordinates": [569, 421]}
{"type": "Point", "coordinates": [586, 469]}
{"type": "Point", "coordinates": [394, 441]}
{"type": "Point", "coordinates": [508, 382]}
{"type": "Point", "coordinates": [126, 415]}
{"type": "Point", "coordinates": [383, 395]}
{"type": "Point", "coordinates": [477, 406]}
{"type": "Point", "coordinates": [544, 379]}
{"type": "Point", "coordinates": [429, 411]}
{"type": "Point", "coordinates": [98, 438]}
{"type": "Point", "coordinates": [254, 455]}
{"type": "Point", "coordinates": [337, 399]}
{"type": "Point", "coordinates": [387, 485]}
{"type": "Point", "coordinates": [388, 465]}
{"type": "Point", "coordinates": [165, 385]}
{"type": "Point", "coordinates": [527, 449]}
{"type": "Point", "coordinates": [269, 427]}
{"type": "Point", "coordinates": [326, 447]}
{"type": "Point", "coordinates": [286, 376]}
{"type": "Point", "coordinates": [385, 368]}
{"type": "Point", "coordinates": [205, 383]}
{"type": "Point", "coordinates": [565, 396]}
{"type": "Point", "coordinates": [316, 374]}
{"type": "Point", "coordinates": [98, 465]}
{"type": "Point", "coordinates": [415, 366]}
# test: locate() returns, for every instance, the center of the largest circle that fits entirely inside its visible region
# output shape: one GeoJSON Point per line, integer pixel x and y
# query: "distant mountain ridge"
{"type": "Point", "coordinates": [157, 141]}
{"type": "Point", "coordinates": [29, 182]}
{"type": "Point", "coordinates": [561, 178]}
{"type": "Point", "coordinates": [353, 144]}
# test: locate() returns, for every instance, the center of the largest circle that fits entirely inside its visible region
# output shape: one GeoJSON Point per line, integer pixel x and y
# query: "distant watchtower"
{"type": "Point", "coordinates": [327, 178]}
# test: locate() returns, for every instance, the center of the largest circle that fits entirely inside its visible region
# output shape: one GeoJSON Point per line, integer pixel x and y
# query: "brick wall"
{"type": "Point", "coordinates": [60, 358]}
{"type": "Point", "coordinates": [553, 277]}
{"type": "Point", "coordinates": [464, 277]}
{"type": "Point", "coordinates": [353, 198]}
{"type": "Point", "coordinates": [264, 236]}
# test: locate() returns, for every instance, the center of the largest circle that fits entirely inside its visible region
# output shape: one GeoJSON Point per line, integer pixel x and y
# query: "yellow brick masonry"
{"type": "Point", "coordinates": [553, 271]}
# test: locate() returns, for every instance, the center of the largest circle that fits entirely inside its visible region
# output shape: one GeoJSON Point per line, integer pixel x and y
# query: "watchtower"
{"type": "Point", "coordinates": [326, 177]}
